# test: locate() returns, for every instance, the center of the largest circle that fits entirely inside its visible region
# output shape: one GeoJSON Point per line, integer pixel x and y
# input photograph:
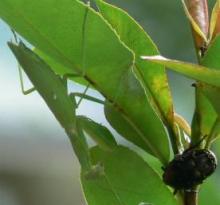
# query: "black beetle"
{"type": "Point", "coordinates": [189, 169]}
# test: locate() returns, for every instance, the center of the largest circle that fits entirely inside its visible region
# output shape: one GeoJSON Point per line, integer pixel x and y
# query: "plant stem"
{"type": "Point", "coordinates": [191, 197]}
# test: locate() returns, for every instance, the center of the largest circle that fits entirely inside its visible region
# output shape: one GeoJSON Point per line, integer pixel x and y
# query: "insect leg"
{"type": "Point", "coordinates": [84, 96]}
{"type": "Point", "coordinates": [25, 92]}
{"type": "Point", "coordinates": [78, 94]}
{"type": "Point", "coordinates": [81, 98]}
{"type": "Point", "coordinates": [88, 97]}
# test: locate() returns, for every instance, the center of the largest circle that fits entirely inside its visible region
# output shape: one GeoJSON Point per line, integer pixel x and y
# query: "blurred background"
{"type": "Point", "coordinates": [37, 164]}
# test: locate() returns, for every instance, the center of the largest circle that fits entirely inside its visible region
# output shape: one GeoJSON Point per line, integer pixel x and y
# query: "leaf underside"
{"type": "Point", "coordinates": [125, 182]}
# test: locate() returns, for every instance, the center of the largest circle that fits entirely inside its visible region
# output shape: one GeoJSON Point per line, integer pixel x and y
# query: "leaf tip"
{"type": "Point", "coordinates": [152, 58]}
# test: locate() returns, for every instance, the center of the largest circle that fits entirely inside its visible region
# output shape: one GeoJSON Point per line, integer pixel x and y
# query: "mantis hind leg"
{"type": "Point", "coordinates": [82, 95]}
{"type": "Point", "coordinates": [88, 97]}
{"type": "Point", "coordinates": [85, 96]}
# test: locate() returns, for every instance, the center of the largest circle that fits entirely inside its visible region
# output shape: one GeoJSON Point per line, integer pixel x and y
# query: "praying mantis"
{"type": "Point", "coordinates": [53, 90]}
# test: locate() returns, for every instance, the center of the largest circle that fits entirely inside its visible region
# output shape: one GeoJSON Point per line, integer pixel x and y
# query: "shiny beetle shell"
{"type": "Point", "coordinates": [189, 168]}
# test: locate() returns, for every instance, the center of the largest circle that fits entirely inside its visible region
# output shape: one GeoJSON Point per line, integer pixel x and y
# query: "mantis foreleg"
{"type": "Point", "coordinates": [25, 92]}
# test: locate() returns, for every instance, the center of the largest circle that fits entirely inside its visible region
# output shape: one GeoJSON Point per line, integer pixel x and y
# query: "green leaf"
{"type": "Point", "coordinates": [204, 117]}
{"type": "Point", "coordinates": [211, 58]}
{"type": "Point", "coordinates": [153, 162]}
{"type": "Point", "coordinates": [214, 19]}
{"type": "Point", "coordinates": [68, 34]}
{"type": "Point", "coordinates": [208, 193]}
{"type": "Point", "coordinates": [194, 71]}
{"type": "Point", "coordinates": [99, 133]}
{"type": "Point", "coordinates": [147, 123]}
{"type": "Point", "coordinates": [122, 125]}
{"type": "Point", "coordinates": [213, 94]}
{"type": "Point", "coordinates": [61, 69]}
{"type": "Point", "coordinates": [125, 182]}
{"type": "Point", "coordinates": [152, 77]}
{"type": "Point", "coordinates": [209, 117]}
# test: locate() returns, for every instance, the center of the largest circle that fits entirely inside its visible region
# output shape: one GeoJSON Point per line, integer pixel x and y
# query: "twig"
{"type": "Point", "coordinates": [191, 196]}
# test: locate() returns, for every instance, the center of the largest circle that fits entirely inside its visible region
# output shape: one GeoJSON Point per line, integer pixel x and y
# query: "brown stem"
{"type": "Point", "coordinates": [198, 9]}
{"type": "Point", "coordinates": [190, 197]}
